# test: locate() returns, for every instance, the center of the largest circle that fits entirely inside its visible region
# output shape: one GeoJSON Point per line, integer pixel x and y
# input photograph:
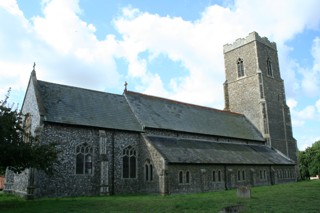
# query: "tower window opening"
{"type": "Point", "coordinates": [240, 68]}
{"type": "Point", "coordinates": [269, 68]}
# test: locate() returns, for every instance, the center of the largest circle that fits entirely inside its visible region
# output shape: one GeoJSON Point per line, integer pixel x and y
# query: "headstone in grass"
{"type": "Point", "coordinates": [244, 192]}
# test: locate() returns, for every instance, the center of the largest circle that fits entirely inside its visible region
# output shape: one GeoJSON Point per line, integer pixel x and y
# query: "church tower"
{"type": "Point", "coordinates": [254, 88]}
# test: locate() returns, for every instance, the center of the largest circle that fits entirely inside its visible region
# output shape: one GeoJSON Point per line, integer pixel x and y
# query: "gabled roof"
{"type": "Point", "coordinates": [77, 106]}
{"type": "Point", "coordinates": [179, 150]}
{"type": "Point", "coordinates": [160, 113]}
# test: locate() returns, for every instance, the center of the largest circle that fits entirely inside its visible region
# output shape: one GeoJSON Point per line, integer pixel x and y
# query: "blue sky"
{"type": "Point", "coordinates": [171, 49]}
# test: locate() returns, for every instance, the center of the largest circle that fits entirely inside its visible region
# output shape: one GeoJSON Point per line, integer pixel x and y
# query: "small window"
{"type": "Point", "coordinates": [269, 68]}
{"type": "Point", "coordinates": [84, 159]}
{"type": "Point", "coordinates": [241, 175]}
{"type": "Point", "coordinates": [240, 68]}
{"type": "Point", "coordinates": [214, 176]}
{"type": "Point", "coordinates": [180, 177]}
{"type": "Point", "coordinates": [148, 171]}
{"type": "Point", "coordinates": [219, 176]}
{"type": "Point", "coordinates": [129, 162]}
{"type": "Point", "coordinates": [187, 177]}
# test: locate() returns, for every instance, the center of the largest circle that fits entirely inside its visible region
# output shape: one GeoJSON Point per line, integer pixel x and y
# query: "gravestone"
{"type": "Point", "coordinates": [244, 192]}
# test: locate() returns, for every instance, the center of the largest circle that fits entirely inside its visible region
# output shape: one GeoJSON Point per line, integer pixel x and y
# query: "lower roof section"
{"type": "Point", "coordinates": [181, 150]}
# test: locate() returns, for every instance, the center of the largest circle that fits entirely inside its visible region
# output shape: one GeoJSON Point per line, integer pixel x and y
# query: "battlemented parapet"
{"type": "Point", "coordinates": [254, 36]}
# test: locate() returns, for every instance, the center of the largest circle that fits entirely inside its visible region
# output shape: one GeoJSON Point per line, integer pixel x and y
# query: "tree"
{"type": "Point", "coordinates": [304, 160]}
{"type": "Point", "coordinates": [18, 149]}
{"type": "Point", "coordinates": [314, 166]}
{"type": "Point", "coordinates": [309, 161]}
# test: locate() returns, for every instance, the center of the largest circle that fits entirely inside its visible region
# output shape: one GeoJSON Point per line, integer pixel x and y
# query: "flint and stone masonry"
{"type": "Point", "coordinates": [134, 143]}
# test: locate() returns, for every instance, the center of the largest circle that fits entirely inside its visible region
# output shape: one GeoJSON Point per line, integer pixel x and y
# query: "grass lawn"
{"type": "Point", "coordinates": [293, 197]}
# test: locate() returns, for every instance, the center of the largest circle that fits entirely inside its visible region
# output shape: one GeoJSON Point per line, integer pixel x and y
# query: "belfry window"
{"type": "Point", "coordinates": [269, 67]}
{"type": "Point", "coordinates": [84, 159]}
{"type": "Point", "coordinates": [240, 68]}
{"type": "Point", "coordinates": [129, 162]}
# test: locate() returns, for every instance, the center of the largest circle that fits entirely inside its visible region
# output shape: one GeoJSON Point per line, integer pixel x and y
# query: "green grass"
{"type": "Point", "coordinates": [293, 197]}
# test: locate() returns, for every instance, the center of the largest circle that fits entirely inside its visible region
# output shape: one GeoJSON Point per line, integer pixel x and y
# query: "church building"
{"type": "Point", "coordinates": [136, 143]}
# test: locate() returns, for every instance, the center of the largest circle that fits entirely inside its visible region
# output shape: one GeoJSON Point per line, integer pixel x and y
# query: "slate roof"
{"type": "Point", "coordinates": [160, 113]}
{"type": "Point", "coordinates": [72, 105]}
{"type": "Point", "coordinates": [178, 150]}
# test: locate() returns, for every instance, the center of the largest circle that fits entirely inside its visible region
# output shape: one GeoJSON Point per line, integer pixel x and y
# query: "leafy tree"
{"type": "Point", "coordinates": [304, 160]}
{"type": "Point", "coordinates": [309, 161]}
{"type": "Point", "coordinates": [314, 167]}
{"type": "Point", "coordinates": [18, 149]}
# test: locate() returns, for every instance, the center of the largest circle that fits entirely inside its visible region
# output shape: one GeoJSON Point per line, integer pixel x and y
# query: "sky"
{"type": "Point", "coordinates": [171, 49]}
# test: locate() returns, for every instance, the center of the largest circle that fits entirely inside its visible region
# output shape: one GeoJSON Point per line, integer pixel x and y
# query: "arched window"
{"type": "Point", "coordinates": [84, 159]}
{"type": "Point", "coordinates": [214, 176]}
{"type": "Point", "coordinates": [187, 177]}
{"type": "Point", "coordinates": [180, 177]}
{"type": "Point", "coordinates": [240, 68]}
{"type": "Point", "coordinates": [243, 175]}
{"type": "Point", "coordinates": [129, 162]}
{"type": "Point", "coordinates": [219, 176]}
{"type": "Point", "coordinates": [269, 68]}
{"type": "Point", "coordinates": [148, 170]}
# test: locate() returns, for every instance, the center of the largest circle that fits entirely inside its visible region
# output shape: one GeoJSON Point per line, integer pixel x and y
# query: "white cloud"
{"type": "Point", "coordinates": [292, 103]}
{"type": "Point", "coordinates": [310, 82]}
{"type": "Point", "coordinates": [198, 45]}
{"type": "Point", "coordinates": [66, 49]}
{"type": "Point", "coordinates": [318, 105]}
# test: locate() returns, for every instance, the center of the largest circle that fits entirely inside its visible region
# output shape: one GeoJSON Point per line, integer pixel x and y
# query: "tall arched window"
{"type": "Point", "coordinates": [243, 175]}
{"type": "Point", "coordinates": [148, 170]}
{"type": "Point", "coordinates": [269, 67]}
{"type": "Point", "coordinates": [129, 162]}
{"type": "Point", "coordinates": [240, 68]}
{"type": "Point", "coordinates": [219, 176]}
{"type": "Point", "coordinates": [84, 159]}
{"type": "Point", "coordinates": [180, 177]}
{"type": "Point", "coordinates": [187, 177]}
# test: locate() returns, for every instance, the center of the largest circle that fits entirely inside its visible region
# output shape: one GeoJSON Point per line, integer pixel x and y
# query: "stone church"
{"type": "Point", "coordinates": [137, 143]}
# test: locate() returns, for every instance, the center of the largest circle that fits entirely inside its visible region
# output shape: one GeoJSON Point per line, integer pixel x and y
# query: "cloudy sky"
{"type": "Point", "coordinates": [165, 48]}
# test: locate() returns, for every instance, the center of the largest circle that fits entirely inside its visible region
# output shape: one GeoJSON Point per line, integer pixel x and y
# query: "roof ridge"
{"type": "Point", "coordinates": [184, 103]}
{"type": "Point", "coordinates": [76, 87]}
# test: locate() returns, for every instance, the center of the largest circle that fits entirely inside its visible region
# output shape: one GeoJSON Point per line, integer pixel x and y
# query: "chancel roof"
{"type": "Point", "coordinates": [77, 106]}
{"type": "Point", "coordinates": [179, 150]}
{"type": "Point", "coordinates": [154, 112]}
